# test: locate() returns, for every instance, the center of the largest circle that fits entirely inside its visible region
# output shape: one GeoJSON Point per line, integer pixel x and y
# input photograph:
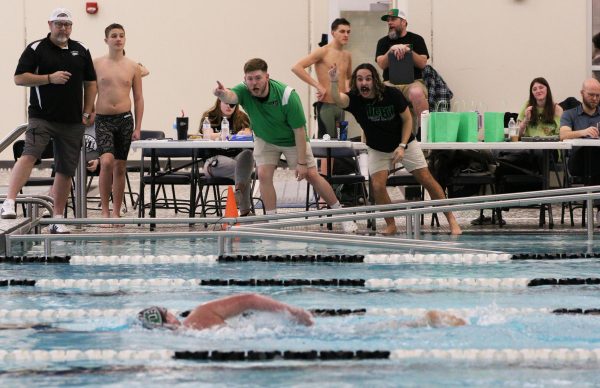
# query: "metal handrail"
{"type": "Point", "coordinates": [540, 196]}
{"type": "Point", "coordinates": [312, 217]}
{"type": "Point", "coordinates": [39, 199]}
{"type": "Point", "coordinates": [12, 136]}
{"type": "Point", "coordinates": [314, 237]}
{"type": "Point", "coordinates": [411, 209]}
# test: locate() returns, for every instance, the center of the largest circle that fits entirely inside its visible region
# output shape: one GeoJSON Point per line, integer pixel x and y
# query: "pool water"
{"type": "Point", "coordinates": [490, 326]}
{"type": "Point", "coordinates": [513, 243]}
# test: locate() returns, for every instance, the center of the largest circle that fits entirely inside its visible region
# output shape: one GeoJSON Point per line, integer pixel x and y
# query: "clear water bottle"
{"type": "Point", "coordinates": [424, 126]}
{"type": "Point", "coordinates": [206, 129]}
{"type": "Point", "coordinates": [225, 129]}
{"type": "Point", "coordinates": [513, 135]}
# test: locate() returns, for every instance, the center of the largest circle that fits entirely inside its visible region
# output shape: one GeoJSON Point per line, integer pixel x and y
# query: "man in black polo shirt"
{"type": "Point", "coordinates": [400, 42]}
{"type": "Point", "coordinates": [62, 79]}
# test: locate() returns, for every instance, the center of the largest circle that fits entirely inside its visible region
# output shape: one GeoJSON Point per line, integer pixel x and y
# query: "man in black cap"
{"type": "Point", "coordinates": [401, 42]}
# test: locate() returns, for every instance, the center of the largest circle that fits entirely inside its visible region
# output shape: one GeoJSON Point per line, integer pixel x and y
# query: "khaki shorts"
{"type": "Point", "coordinates": [67, 139]}
{"type": "Point", "coordinates": [382, 161]}
{"type": "Point", "coordinates": [269, 154]}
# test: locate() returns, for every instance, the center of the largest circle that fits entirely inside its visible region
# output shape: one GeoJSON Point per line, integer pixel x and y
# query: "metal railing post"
{"type": "Point", "coordinates": [80, 194]}
{"type": "Point", "coordinates": [220, 245]}
{"type": "Point", "coordinates": [417, 226]}
{"type": "Point", "coordinates": [590, 216]}
{"type": "Point", "coordinates": [409, 227]}
{"type": "Point", "coordinates": [47, 247]}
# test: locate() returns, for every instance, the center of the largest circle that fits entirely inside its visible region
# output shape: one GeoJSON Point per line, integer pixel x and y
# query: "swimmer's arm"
{"type": "Point", "coordinates": [216, 312]}
{"type": "Point", "coordinates": [35, 326]}
{"type": "Point", "coordinates": [17, 326]}
{"type": "Point", "coordinates": [437, 319]}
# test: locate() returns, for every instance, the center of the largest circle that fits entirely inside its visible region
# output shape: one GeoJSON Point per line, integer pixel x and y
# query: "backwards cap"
{"type": "Point", "coordinates": [61, 14]}
{"type": "Point", "coordinates": [395, 13]}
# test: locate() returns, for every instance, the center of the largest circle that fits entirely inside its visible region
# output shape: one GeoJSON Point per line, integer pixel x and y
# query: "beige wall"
{"type": "Point", "coordinates": [487, 50]}
{"type": "Point", "coordinates": [12, 100]}
{"type": "Point", "coordinates": [186, 44]}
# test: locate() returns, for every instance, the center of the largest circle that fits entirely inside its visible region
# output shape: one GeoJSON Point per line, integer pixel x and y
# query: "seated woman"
{"type": "Point", "coordinates": [540, 116]}
{"type": "Point", "coordinates": [235, 164]}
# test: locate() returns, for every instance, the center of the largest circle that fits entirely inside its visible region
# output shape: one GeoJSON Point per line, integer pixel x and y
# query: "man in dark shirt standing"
{"type": "Point", "coordinates": [382, 113]}
{"type": "Point", "coordinates": [58, 70]}
{"type": "Point", "coordinates": [400, 42]}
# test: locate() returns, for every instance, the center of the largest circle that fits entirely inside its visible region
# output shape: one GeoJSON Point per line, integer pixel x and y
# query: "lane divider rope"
{"type": "Point", "coordinates": [528, 356]}
{"type": "Point", "coordinates": [48, 315]}
{"type": "Point", "coordinates": [201, 259]}
{"type": "Point", "coordinates": [443, 258]}
{"type": "Point", "coordinates": [479, 283]}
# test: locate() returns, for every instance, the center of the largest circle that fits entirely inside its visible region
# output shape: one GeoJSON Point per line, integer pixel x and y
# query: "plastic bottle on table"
{"type": "Point", "coordinates": [206, 129]}
{"type": "Point", "coordinates": [343, 130]}
{"type": "Point", "coordinates": [225, 129]}
{"type": "Point", "coordinates": [424, 126]}
{"type": "Point", "coordinates": [513, 134]}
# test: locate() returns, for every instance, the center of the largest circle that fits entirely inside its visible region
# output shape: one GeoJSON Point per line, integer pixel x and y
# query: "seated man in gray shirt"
{"type": "Point", "coordinates": [582, 122]}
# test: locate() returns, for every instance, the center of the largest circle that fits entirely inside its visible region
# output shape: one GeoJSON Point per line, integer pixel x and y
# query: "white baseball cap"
{"type": "Point", "coordinates": [61, 14]}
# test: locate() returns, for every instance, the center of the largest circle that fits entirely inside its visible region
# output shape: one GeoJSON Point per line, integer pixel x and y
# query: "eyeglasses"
{"type": "Point", "coordinates": [232, 106]}
{"type": "Point", "coordinates": [66, 25]}
{"type": "Point", "coordinates": [593, 95]}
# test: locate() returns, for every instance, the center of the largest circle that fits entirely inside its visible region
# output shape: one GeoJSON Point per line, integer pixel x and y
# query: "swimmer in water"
{"type": "Point", "coordinates": [435, 318]}
{"type": "Point", "coordinates": [216, 312]}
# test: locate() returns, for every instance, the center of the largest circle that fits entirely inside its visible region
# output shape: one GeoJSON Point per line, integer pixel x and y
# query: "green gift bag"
{"type": "Point", "coordinates": [467, 128]}
{"type": "Point", "coordinates": [494, 126]}
{"type": "Point", "coordinates": [431, 129]}
{"type": "Point", "coordinates": [444, 126]}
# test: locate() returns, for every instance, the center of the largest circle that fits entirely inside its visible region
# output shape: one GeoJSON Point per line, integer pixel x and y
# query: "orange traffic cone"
{"type": "Point", "coordinates": [231, 210]}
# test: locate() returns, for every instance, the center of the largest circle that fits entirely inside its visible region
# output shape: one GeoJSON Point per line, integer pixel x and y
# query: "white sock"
{"type": "Point", "coordinates": [9, 202]}
{"type": "Point", "coordinates": [58, 216]}
{"type": "Point", "coordinates": [336, 205]}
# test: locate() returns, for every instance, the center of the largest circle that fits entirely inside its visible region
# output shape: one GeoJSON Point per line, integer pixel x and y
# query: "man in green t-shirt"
{"type": "Point", "coordinates": [278, 122]}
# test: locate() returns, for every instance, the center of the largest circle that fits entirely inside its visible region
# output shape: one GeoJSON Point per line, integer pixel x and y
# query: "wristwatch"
{"type": "Point", "coordinates": [402, 145]}
{"type": "Point", "coordinates": [86, 115]}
